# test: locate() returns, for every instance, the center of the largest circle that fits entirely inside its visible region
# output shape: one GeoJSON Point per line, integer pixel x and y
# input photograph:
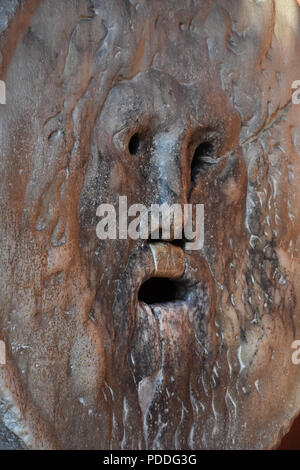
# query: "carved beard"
{"type": "Point", "coordinates": [163, 381]}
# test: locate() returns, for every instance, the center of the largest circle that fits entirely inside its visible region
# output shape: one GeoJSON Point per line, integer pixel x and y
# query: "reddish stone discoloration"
{"type": "Point", "coordinates": [90, 366]}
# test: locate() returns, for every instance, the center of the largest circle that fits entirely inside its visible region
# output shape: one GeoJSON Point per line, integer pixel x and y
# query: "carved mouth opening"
{"type": "Point", "coordinates": [158, 290]}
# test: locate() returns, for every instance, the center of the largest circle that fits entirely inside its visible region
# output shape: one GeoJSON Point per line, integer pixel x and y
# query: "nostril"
{"type": "Point", "coordinates": [202, 159]}
{"type": "Point", "coordinates": [134, 144]}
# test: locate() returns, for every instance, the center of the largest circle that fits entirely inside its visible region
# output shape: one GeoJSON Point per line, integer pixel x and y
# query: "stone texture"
{"type": "Point", "coordinates": [88, 364]}
{"type": "Point", "coordinates": [8, 441]}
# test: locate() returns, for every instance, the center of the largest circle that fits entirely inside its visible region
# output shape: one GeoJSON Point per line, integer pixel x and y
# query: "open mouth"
{"type": "Point", "coordinates": [158, 290]}
{"type": "Point", "coordinates": [166, 285]}
{"type": "Point", "coordinates": [164, 308]}
{"type": "Point", "coordinates": [172, 291]}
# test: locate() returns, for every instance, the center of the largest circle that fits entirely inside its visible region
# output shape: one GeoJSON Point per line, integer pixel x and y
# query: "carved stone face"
{"type": "Point", "coordinates": [133, 343]}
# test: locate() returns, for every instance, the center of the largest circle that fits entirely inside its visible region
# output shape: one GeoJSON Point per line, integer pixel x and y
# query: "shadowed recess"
{"type": "Point", "coordinates": [157, 290]}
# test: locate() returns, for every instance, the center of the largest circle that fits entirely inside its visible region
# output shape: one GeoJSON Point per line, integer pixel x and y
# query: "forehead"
{"type": "Point", "coordinates": [196, 49]}
{"type": "Point", "coordinates": [152, 96]}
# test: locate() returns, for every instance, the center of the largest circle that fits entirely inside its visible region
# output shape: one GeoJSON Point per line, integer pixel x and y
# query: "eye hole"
{"type": "Point", "coordinates": [134, 144]}
{"type": "Point", "coordinates": [203, 158]}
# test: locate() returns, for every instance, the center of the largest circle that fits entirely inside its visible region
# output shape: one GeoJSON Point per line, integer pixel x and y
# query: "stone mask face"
{"type": "Point", "coordinates": [189, 102]}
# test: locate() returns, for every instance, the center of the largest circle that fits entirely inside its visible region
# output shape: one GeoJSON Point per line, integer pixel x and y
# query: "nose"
{"type": "Point", "coordinates": [170, 172]}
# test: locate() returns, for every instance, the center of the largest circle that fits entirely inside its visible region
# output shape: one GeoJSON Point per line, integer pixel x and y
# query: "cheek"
{"type": "Point", "coordinates": [117, 176]}
{"type": "Point", "coordinates": [233, 191]}
{"type": "Point", "coordinates": [87, 365]}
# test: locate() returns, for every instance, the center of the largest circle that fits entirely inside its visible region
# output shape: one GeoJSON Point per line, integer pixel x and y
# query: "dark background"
{"type": "Point", "coordinates": [292, 440]}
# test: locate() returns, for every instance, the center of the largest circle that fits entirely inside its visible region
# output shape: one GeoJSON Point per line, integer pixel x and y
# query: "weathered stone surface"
{"type": "Point", "coordinates": [206, 89]}
{"type": "Point", "coordinates": [8, 440]}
